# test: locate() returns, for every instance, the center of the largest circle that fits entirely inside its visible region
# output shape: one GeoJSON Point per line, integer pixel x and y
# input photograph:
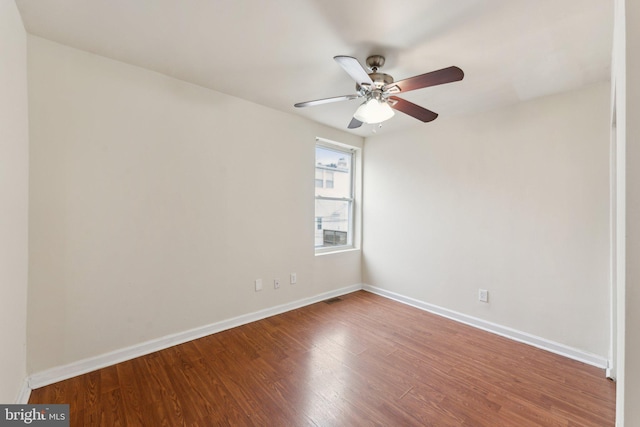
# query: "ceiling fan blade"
{"type": "Point", "coordinates": [412, 109]}
{"type": "Point", "coordinates": [355, 123]}
{"type": "Point", "coordinates": [326, 100]}
{"type": "Point", "coordinates": [434, 78]}
{"type": "Point", "coordinates": [354, 69]}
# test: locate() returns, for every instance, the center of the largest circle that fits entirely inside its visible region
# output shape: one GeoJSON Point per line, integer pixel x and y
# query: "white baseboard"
{"type": "Point", "coordinates": [60, 373]}
{"type": "Point", "coordinates": [25, 393]}
{"type": "Point", "coordinates": [523, 337]}
{"type": "Point", "coordinates": [53, 375]}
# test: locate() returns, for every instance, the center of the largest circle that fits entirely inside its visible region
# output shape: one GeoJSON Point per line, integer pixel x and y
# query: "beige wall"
{"type": "Point", "coordinates": [631, 385]}
{"type": "Point", "coordinates": [514, 201]}
{"type": "Point", "coordinates": [156, 203]}
{"type": "Point", "coordinates": [14, 172]}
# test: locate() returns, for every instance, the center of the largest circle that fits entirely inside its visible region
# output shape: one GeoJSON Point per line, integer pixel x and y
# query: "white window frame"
{"type": "Point", "coordinates": [353, 231]}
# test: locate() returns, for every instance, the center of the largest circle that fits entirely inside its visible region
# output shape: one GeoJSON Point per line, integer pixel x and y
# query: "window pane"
{"type": "Point", "coordinates": [332, 223]}
{"type": "Point", "coordinates": [334, 168]}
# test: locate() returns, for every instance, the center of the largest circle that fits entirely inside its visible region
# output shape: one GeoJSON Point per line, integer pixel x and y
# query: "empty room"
{"type": "Point", "coordinates": [320, 213]}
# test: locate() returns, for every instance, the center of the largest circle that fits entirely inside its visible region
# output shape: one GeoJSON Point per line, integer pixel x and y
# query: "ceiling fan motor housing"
{"type": "Point", "coordinates": [374, 62]}
{"type": "Point", "coordinates": [379, 80]}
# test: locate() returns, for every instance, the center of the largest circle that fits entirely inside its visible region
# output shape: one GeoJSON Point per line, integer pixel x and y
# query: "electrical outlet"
{"type": "Point", "coordinates": [258, 283]}
{"type": "Point", "coordinates": [293, 278]}
{"type": "Point", "coordinates": [483, 295]}
{"type": "Point", "coordinates": [276, 283]}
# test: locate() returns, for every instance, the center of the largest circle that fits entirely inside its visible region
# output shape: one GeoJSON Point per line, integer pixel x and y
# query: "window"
{"type": "Point", "coordinates": [319, 178]}
{"type": "Point", "coordinates": [328, 179]}
{"type": "Point", "coordinates": [334, 184]}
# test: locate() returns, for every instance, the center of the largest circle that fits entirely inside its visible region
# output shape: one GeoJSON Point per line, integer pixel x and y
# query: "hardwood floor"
{"type": "Point", "coordinates": [364, 360]}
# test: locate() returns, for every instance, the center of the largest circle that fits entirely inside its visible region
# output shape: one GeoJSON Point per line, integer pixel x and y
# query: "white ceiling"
{"type": "Point", "coordinates": [279, 52]}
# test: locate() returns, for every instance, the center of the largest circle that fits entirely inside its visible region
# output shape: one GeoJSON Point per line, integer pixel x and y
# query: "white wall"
{"type": "Point", "coordinates": [14, 174]}
{"type": "Point", "coordinates": [156, 203]}
{"type": "Point", "coordinates": [514, 201]}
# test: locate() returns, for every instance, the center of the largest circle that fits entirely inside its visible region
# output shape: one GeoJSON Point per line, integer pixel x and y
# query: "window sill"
{"type": "Point", "coordinates": [322, 252]}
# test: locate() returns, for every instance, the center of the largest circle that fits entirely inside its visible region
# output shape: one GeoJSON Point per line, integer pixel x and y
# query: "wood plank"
{"type": "Point", "coordinates": [365, 360]}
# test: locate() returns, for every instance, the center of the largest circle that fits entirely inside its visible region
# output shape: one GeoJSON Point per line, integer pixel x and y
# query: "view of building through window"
{"type": "Point", "coordinates": [334, 196]}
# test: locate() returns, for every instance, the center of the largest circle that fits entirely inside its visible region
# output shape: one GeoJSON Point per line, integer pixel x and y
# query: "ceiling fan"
{"type": "Point", "coordinates": [379, 90]}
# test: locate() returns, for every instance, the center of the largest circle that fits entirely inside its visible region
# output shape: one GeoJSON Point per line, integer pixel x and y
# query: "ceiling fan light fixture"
{"type": "Point", "coordinates": [374, 111]}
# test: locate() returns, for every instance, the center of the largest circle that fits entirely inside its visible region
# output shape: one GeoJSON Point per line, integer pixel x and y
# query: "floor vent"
{"type": "Point", "coordinates": [333, 300]}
